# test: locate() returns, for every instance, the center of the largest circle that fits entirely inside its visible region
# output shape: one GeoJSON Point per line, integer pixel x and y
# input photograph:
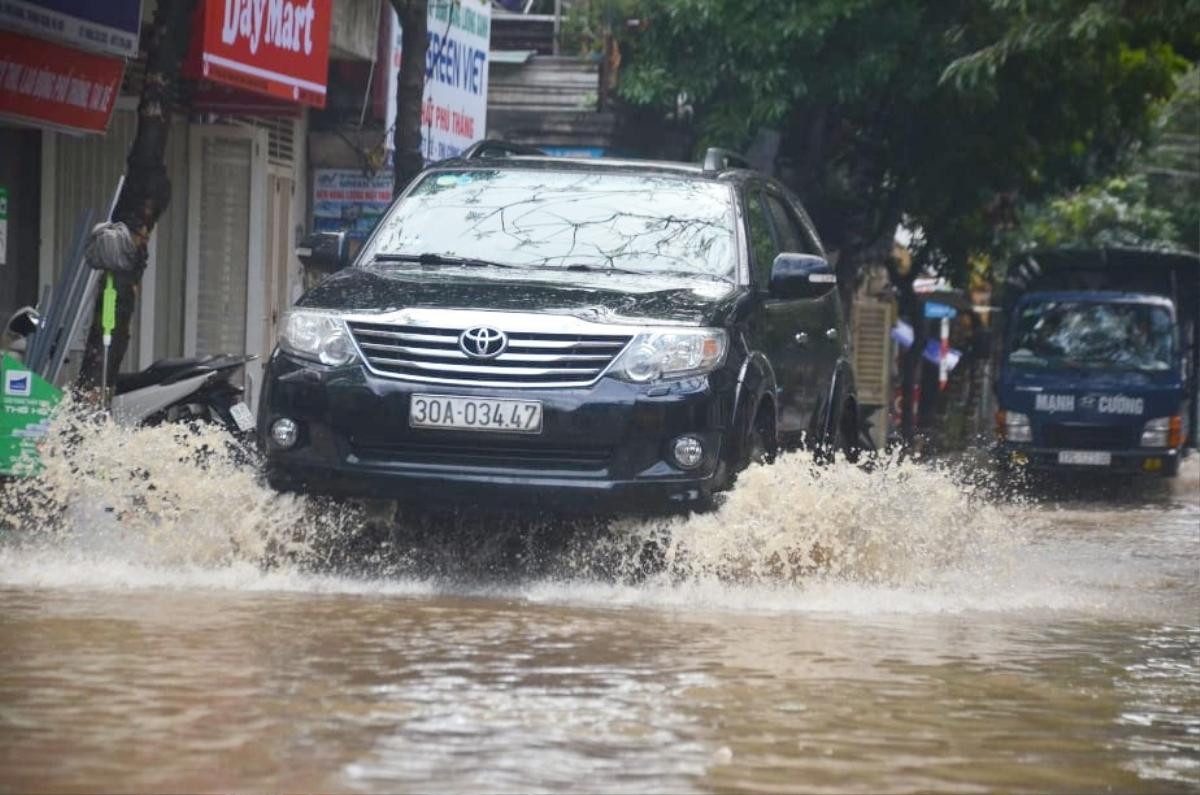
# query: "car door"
{"type": "Point", "coordinates": [819, 318]}
{"type": "Point", "coordinates": [779, 329]}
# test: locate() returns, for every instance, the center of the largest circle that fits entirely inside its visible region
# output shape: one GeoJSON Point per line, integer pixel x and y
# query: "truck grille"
{"type": "Point", "coordinates": [1089, 437]}
{"type": "Point", "coordinates": [422, 353]}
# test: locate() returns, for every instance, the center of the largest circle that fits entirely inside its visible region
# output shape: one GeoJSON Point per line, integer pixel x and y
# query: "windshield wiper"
{"type": "Point", "coordinates": [441, 259]}
{"type": "Point", "coordinates": [578, 266]}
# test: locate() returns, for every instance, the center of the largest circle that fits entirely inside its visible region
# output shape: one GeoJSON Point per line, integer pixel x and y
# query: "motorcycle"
{"type": "Point", "coordinates": [178, 389]}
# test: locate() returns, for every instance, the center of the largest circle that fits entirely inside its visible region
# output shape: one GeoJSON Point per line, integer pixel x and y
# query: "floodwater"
{"type": "Point", "coordinates": [835, 630]}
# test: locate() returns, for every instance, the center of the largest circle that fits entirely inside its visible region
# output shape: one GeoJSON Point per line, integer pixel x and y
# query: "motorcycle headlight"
{"type": "Point", "coordinates": [318, 336]}
{"type": "Point", "coordinates": [1016, 427]}
{"type": "Point", "coordinates": [659, 355]}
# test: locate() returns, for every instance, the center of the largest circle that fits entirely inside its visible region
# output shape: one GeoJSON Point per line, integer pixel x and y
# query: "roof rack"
{"type": "Point", "coordinates": [717, 160]}
{"type": "Point", "coordinates": [493, 148]}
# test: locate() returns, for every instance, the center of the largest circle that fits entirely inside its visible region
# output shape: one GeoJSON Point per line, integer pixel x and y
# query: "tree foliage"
{"type": "Point", "coordinates": [948, 114]}
{"type": "Point", "coordinates": [1111, 213]}
{"type": "Point", "coordinates": [1154, 204]}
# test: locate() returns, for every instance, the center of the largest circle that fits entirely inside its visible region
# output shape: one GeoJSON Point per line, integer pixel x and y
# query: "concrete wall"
{"type": "Point", "coordinates": [355, 28]}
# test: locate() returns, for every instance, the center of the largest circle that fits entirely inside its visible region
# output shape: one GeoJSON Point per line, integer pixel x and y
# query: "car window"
{"type": "Point", "coordinates": [791, 239]}
{"type": "Point", "coordinates": [762, 245]}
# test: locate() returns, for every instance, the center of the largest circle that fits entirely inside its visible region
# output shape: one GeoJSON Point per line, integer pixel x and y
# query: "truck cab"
{"type": "Point", "coordinates": [1097, 370]}
{"type": "Point", "coordinates": [1094, 380]}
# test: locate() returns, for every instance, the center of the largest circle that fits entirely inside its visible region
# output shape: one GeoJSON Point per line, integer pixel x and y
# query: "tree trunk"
{"type": "Point", "coordinates": [147, 189]}
{"type": "Point", "coordinates": [410, 91]}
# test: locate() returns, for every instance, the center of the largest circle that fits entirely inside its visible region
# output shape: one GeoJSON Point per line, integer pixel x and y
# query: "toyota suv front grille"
{"type": "Point", "coordinates": [440, 355]}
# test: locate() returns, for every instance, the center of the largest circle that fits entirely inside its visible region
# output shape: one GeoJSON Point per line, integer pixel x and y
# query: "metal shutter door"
{"type": "Point", "coordinates": [224, 244]}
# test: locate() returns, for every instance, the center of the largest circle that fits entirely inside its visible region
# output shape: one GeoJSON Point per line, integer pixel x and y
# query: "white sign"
{"type": "Point", "coordinates": [454, 112]}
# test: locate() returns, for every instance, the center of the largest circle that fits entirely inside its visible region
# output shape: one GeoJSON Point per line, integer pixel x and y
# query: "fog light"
{"type": "Point", "coordinates": [284, 433]}
{"type": "Point", "coordinates": [688, 451]}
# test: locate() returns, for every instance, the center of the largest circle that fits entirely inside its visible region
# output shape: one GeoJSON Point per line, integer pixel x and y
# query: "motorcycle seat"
{"type": "Point", "coordinates": [162, 371]}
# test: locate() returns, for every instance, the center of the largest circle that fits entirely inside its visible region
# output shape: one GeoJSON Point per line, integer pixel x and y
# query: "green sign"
{"type": "Point", "coordinates": [26, 403]}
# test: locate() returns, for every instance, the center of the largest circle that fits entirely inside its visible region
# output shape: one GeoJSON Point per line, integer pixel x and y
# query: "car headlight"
{"type": "Point", "coordinates": [659, 355]}
{"type": "Point", "coordinates": [1162, 432]}
{"type": "Point", "coordinates": [319, 336]}
{"type": "Point", "coordinates": [1016, 427]}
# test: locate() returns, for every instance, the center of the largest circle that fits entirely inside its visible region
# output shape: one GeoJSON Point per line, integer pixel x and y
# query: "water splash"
{"type": "Point", "coordinates": [165, 495]}
{"type": "Point", "coordinates": [186, 506]}
{"type": "Point", "coordinates": [896, 522]}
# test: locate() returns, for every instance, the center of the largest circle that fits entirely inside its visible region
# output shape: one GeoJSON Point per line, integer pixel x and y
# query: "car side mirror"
{"type": "Point", "coordinates": [25, 322]}
{"type": "Point", "coordinates": [801, 276]}
{"type": "Point", "coordinates": [324, 252]}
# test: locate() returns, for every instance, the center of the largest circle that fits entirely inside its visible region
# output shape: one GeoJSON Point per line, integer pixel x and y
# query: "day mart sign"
{"type": "Point", "coordinates": [279, 48]}
{"type": "Point", "coordinates": [454, 111]}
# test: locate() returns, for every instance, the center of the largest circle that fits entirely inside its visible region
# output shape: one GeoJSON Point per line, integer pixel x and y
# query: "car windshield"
{"type": "Point", "coordinates": [645, 224]}
{"type": "Point", "coordinates": [1118, 336]}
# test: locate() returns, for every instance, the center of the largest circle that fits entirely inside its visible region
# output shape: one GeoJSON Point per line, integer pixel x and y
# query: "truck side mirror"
{"type": "Point", "coordinates": [801, 276]}
{"type": "Point", "coordinates": [324, 252]}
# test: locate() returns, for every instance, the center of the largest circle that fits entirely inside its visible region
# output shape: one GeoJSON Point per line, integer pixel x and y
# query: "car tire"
{"type": "Point", "coordinates": [760, 445]}
{"type": "Point", "coordinates": [848, 442]}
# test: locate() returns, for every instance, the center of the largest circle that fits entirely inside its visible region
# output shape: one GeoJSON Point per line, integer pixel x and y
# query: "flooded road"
{"type": "Point", "coordinates": [832, 631]}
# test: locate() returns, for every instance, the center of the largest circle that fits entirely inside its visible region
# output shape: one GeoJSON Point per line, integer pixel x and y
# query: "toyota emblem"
{"type": "Point", "coordinates": [483, 342]}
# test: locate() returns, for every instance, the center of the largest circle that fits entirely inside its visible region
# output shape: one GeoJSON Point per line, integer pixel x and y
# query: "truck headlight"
{"type": "Point", "coordinates": [318, 336]}
{"type": "Point", "coordinates": [1016, 427]}
{"type": "Point", "coordinates": [672, 354]}
{"type": "Point", "coordinates": [1162, 432]}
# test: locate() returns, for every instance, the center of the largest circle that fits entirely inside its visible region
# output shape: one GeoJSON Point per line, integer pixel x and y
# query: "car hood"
{"type": "Point", "coordinates": [603, 299]}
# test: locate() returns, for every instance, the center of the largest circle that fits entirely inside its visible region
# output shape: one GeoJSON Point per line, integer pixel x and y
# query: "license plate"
{"type": "Point", "coordinates": [1093, 458]}
{"type": "Point", "coordinates": [242, 416]}
{"type": "Point", "coordinates": [475, 414]}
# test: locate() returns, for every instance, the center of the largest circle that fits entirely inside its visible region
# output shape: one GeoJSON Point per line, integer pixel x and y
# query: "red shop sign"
{"type": "Point", "coordinates": [49, 85]}
{"type": "Point", "coordinates": [279, 48]}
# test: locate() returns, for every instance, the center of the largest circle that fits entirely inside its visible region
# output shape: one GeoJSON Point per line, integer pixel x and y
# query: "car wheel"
{"type": "Point", "coordinates": [841, 440]}
{"type": "Point", "coordinates": [760, 444]}
{"type": "Point", "coordinates": [848, 442]}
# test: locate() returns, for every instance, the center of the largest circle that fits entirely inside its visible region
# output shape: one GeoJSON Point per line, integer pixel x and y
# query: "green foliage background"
{"type": "Point", "coordinates": [965, 119]}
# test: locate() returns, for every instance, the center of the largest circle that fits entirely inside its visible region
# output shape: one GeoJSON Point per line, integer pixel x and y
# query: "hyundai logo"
{"type": "Point", "coordinates": [483, 342]}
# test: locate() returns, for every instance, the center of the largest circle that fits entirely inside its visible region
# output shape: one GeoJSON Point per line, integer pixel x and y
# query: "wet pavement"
{"type": "Point", "coordinates": [891, 632]}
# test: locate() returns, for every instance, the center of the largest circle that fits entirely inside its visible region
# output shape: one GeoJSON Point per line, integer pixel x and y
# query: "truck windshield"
{"type": "Point", "coordinates": [1117, 336]}
{"type": "Point", "coordinates": [562, 220]}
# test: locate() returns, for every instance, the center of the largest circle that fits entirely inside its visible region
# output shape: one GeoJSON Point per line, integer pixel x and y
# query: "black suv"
{"type": "Point", "coordinates": [520, 326]}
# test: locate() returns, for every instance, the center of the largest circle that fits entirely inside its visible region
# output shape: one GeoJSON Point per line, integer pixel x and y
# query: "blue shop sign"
{"type": "Point", "coordinates": [110, 27]}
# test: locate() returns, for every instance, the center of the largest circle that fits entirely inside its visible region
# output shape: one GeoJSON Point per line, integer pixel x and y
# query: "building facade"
{"type": "Point", "coordinates": [222, 265]}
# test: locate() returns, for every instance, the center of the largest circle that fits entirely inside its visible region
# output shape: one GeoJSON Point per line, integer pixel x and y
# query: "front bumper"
{"type": "Point", "coordinates": [1127, 461]}
{"type": "Point", "coordinates": [606, 445]}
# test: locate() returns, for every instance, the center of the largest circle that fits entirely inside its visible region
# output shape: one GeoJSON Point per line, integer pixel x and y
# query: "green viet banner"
{"type": "Point", "coordinates": [26, 403]}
